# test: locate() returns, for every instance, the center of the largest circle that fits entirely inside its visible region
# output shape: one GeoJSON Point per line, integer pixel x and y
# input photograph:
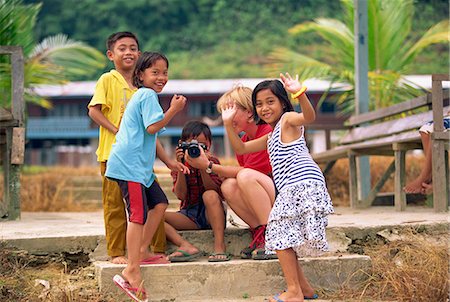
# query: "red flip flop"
{"type": "Point", "coordinates": [157, 259]}
{"type": "Point", "coordinates": [137, 294]}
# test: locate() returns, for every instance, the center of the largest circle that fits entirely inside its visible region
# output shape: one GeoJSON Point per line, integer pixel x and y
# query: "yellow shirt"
{"type": "Point", "coordinates": [113, 93]}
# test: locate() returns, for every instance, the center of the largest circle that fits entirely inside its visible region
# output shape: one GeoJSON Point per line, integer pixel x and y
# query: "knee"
{"type": "Point", "coordinates": [160, 207]}
{"type": "Point", "coordinates": [229, 188]}
{"type": "Point", "coordinates": [246, 176]}
{"type": "Point", "coordinates": [211, 198]}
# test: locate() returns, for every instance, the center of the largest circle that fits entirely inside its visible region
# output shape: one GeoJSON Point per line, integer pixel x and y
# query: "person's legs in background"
{"type": "Point", "coordinates": [114, 217]}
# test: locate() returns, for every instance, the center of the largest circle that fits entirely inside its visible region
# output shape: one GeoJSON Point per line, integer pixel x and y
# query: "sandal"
{"type": "Point", "coordinates": [260, 254]}
{"type": "Point", "coordinates": [219, 257]}
{"type": "Point", "coordinates": [137, 294]}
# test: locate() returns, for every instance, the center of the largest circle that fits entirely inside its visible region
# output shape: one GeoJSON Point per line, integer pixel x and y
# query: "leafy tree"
{"type": "Point", "coordinates": [54, 60]}
{"type": "Point", "coordinates": [391, 51]}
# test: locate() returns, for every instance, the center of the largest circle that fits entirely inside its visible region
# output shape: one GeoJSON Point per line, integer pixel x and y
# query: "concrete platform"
{"type": "Point", "coordinates": [236, 278]}
{"type": "Point", "coordinates": [73, 233]}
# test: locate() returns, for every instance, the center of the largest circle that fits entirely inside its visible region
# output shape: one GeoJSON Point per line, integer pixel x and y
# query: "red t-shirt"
{"type": "Point", "coordinates": [195, 184]}
{"type": "Point", "coordinates": [258, 160]}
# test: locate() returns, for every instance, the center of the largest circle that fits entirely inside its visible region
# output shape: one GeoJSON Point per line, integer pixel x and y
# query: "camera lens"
{"type": "Point", "coordinates": [194, 151]}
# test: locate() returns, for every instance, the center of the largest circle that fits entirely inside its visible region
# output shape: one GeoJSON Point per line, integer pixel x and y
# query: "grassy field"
{"type": "Point", "coordinates": [62, 188]}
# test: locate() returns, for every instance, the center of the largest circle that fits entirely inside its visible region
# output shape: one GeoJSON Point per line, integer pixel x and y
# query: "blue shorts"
{"type": "Point", "coordinates": [197, 213]}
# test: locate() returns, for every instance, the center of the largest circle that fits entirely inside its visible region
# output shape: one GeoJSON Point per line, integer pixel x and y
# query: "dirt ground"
{"type": "Point", "coordinates": [409, 266]}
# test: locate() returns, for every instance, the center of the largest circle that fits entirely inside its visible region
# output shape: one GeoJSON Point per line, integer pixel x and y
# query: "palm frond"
{"type": "Point", "coordinates": [332, 31]}
{"type": "Point", "coordinates": [439, 33]}
{"type": "Point", "coordinates": [76, 58]}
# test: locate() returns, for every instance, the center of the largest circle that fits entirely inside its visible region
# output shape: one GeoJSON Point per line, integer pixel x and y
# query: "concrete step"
{"type": "Point", "coordinates": [236, 279]}
{"type": "Point", "coordinates": [235, 240]}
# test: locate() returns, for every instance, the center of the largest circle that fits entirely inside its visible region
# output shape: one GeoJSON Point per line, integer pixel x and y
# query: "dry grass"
{"type": "Point", "coordinates": [49, 189]}
{"type": "Point", "coordinates": [412, 269]}
{"type": "Point", "coordinates": [43, 278]}
{"type": "Point", "coordinates": [337, 179]}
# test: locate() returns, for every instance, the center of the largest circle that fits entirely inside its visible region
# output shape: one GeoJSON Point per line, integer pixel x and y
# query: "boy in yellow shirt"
{"type": "Point", "coordinates": [112, 92]}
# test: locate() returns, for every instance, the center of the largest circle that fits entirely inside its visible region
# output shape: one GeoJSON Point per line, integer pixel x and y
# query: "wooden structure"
{"type": "Point", "coordinates": [392, 131]}
{"type": "Point", "coordinates": [12, 136]}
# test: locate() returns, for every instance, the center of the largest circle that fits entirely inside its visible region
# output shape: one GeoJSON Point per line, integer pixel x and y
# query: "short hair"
{"type": "Point", "coordinates": [112, 39]}
{"type": "Point", "coordinates": [193, 129]}
{"type": "Point", "coordinates": [241, 95]}
{"type": "Point", "coordinates": [146, 60]}
{"type": "Point", "coordinates": [277, 88]}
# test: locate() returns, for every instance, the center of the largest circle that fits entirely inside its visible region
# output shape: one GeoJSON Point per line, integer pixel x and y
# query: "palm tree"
{"type": "Point", "coordinates": [53, 61]}
{"type": "Point", "coordinates": [391, 51]}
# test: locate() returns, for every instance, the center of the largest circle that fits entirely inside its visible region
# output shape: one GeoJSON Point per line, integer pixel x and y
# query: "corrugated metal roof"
{"type": "Point", "coordinates": [214, 86]}
{"type": "Point", "coordinates": [173, 86]}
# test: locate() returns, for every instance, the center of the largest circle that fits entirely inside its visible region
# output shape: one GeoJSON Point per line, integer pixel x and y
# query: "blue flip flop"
{"type": "Point", "coordinates": [277, 298]}
{"type": "Point", "coordinates": [315, 296]}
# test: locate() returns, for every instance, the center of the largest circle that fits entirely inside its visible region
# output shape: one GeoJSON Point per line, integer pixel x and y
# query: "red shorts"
{"type": "Point", "coordinates": [140, 199]}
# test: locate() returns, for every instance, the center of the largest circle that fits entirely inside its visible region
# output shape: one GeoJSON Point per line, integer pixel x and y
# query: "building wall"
{"type": "Point", "coordinates": [65, 135]}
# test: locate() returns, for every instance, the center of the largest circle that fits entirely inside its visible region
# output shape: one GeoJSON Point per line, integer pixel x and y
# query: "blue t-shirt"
{"type": "Point", "coordinates": [133, 154]}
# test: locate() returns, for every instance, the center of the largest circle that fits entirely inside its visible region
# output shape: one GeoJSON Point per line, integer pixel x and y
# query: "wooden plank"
{"type": "Point", "coordinates": [367, 202]}
{"type": "Point", "coordinates": [440, 184]}
{"type": "Point", "coordinates": [415, 103]}
{"type": "Point", "coordinates": [354, 202]}
{"type": "Point", "coordinates": [18, 146]}
{"type": "Point", "coordinates": [440, 77]}
{"type": "Point", "coordinates": [388, 128]}
{"type": "Point", "coordinates": [445, 136]}
{"type": "Point", "coordinates": [18, 104]}
{"type": "Point", "coordinates": [7, 50]}
{"type": "Point", "coordinates": [399, 180]}
{"type": "Point", "coordinates": [5, 115]}
{"type": "Point", "coordinates": [407, 146]}
{"type": "Point", "coordinates": [330, 155]}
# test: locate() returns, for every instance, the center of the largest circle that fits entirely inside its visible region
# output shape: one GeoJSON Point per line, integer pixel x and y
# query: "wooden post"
{"type": "Point", "coordinates": [13, 148]}
{"type": "Point", "coordinates": [361, 37]}
{"type": "Point", "coordinates": [438, 138]}
{"type": "Point", "coordinates": [353, 180]}
{"type": "Point", "coordinates": [399, 178]}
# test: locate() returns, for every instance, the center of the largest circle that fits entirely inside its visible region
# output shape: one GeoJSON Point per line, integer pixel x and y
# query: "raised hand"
{"type": "Point", "coordinates": [228, 112]}
{"type": "Point", "coordinates": [178, 102]}
{"type": "Point", "coordinates": [290, 84]}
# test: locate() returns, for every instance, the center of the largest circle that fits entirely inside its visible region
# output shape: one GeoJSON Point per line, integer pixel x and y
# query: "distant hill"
{"type": "Point", "coordinates": [216, 38]}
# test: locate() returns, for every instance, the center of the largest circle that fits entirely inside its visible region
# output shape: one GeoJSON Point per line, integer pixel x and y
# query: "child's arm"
{"type": "Point", "coordinates": [208, 182]}
{"type": "Point", "coordinates": [176, 105]}
{"type": "Point", "coordinates": [202, 163]}
{"type": "Point", "coordinates": [308, 115]}
{"type": "Point", "coordinates": [228, 113]}
{"type": "Point", "coordinates": [96, 114]}
{"type": "Point", "coordinates": [170, 163]}
{"type": "Point", "coordinates": [180, 185]}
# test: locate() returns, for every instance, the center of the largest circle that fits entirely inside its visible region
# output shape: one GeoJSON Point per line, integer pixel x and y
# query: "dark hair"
{"type": "Point", "coordinates": [112, 39]}
{"type": "Point", "coordinates": [277, 88]}
{"type": "Point", "coordinates": [146, 60]}
{"type": "Point", "coordinates": [193, 129]}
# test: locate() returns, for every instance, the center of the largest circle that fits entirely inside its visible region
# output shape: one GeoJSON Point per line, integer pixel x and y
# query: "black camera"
{"type": "Point", "coordinates": [192, 147]}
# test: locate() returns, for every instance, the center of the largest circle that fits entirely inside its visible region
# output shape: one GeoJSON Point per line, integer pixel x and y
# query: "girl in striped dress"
{"type": "Point", "coordinates": [297, 222]}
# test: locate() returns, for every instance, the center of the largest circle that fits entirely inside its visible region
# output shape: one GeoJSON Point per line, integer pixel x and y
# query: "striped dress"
{"type": "Point", "coordinates": [299, 216]}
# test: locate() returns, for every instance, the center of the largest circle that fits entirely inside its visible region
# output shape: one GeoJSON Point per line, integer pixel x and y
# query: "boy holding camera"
{"type": "Point", "coordinates": [201, 201]}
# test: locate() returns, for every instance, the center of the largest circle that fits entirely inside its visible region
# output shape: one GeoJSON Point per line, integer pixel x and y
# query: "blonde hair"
{"type": "Point", "coordinates": [241, 95]}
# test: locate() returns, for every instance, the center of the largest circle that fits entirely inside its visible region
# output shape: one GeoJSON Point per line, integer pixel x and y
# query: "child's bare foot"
{"type": "Point", "coordinates": [119, 260]}
{"type": "Point", "coordinates": [427, 188]}
{"type": "Point", "coordinates": [135, 280]}
{"type": "Point", "coordinates": [414, 187]}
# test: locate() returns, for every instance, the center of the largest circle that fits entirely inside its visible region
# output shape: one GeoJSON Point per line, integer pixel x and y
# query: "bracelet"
{"type": "Point", "coordinates": [299, 93]}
